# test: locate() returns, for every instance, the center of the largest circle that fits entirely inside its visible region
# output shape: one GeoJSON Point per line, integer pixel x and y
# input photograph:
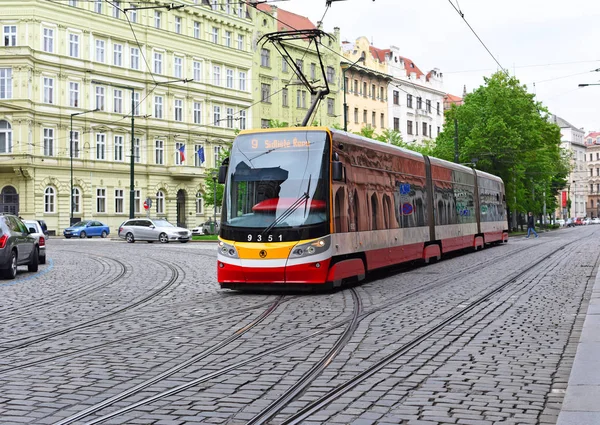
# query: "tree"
{"type": "Point", "coordinates": [504, 131]}
{"type": "Point", "coordinates": [210, 185]}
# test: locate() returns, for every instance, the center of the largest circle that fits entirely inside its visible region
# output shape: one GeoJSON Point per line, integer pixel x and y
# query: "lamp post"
{"type": "Point", "coordinates": [214, 179]}
{"type": "Point", "coordinates": [361, 59]}
{"type": "Point", "coordinates": [71, 155]}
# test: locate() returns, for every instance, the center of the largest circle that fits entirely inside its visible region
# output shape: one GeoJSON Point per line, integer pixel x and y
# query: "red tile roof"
{"type": "Point", "coordinates": [593, 135]}
{"type": "Point", "coordinates": [410, 66]}
{"type": "Point", "coordinates": [291, 20]}
{"type": "Point", "coordinates": [450, 99]}
{"type": "Point", "coordinates": [379, 54]}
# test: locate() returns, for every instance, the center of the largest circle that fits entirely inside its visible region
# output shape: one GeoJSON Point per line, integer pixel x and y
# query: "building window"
{"type": "Point", "coordinates": [178, 67]}
{"type": "Point", "coordinates": [428, 105]}
{"type": "Point", "coordinates": [137, 201]}
{"type": "Point", "coordinates": [214, 4]}
{"type": "Point", "coordinates": [242, 120]}
{"type": "Point", "coordinates": [265, 58]}
{"type": "Point", "coordinates": [49, 200]}
{"type": "Point", "coordinates": [119, 148]}
{"type": "Point", "coordinates": [178, 109]}
{"type": "Point", "coordinates": [419, 103]}
{"type": "Point", "coordinates": [364, 116]}
{"type": "Point", "coordinates": [240, 42]}
{"type": "Point", "coordinates": [117, 54]}
{"type": "Point", "coordinates": [76, 201]}
{"type": "Point", "coordinates": [5, 83]}
{"type": "Point", "coordinates": [135, 58]}
{"type": "Point", "coordinates": [158, 107]}
{"type": "Point", "coordinates": [116, 5]}
{"type": "Point", "coordinates": [177, 25]}
{"type": "Point", "coordinates": [100, 51]}
{"type": "Point", "coordinates": [197, 67]}
{"type": "Point", "coordinates": [157, 18]}
{"type": "Point", "coordinates": [373, 119]}
{"type": "Point", "coordinates": [98, 6]}
{"type": "Point", "coordinates": [179, 153]}
{"type": "Point", "coordinates": [199, 155]}
{"type": "Point", "coordinates": [48, 90]}
{"type": "Point", "coordinates": [198, 202]}
{"type": "Point", "coordinates": [264, 123]}
{"type": "Point", "coordinates": [365, 91]}
{"type": "Point", "coordinates": [48, 45]}
{"type": "Point", "coordinates": [133, 13]}
{"type": "Point", "coordinates": [137, 153]}
{"type": "Point", "coordinates": [382, 121]}
{"type": "Point", "coordinates": [217, 115]}
{"type": "Point", "coordinates": [229, 117]}
{"type": "Point", "coordinates": [215, 35]}
{"type": "Point", "coordinates": [158, 57]}
{"type": "Point", "coordinates": [424, 129]}
{"type": "Point", "coordinates": [159, 152]}
{"type": "Point", "coordinates": [242, 81]}
{"type": "Point", "coordinates": [330, 109]}
{"type": "Point", "coordinates": [284, 97]}
{"type": "Point", "coordinates": [356, 87]}
{"type": "Point", "coordinates": [228, 7]}
{"type": "Point", "coordinates": [197, 113]}
{"type": "Point", "coordinates": [229, 78]}
{"type": "Point", "coordinates": [356, 115]}
{"type": "Point", "coordinates": [381, 94]}
{"type": "Point", "coordinates": [227, 38]}
{"type": "Point", "coordinates": [396, 97]}
{"type": "Point", "coordinates": [373, 91]}
{"type": "Point", "coordinates": [330, 74]}
{"type": "Point", "coordinates": [160, 202]}
{"type": "Point", "coordinates": [136, 104]}
{"type": "Point", "coordinates": [397, 124]}
{"type": "Point", "coordinates": [196, 29]}
{"type": "Point", "coordinates": [119, 201]}
{"type": "Point", "coordinates": [217, 75]}
{"type": "Point", "coordinates": [100, 98]}
{"type": "Point", "coordinates": [409, 127]}
{"type": "Point", "coordinates": [265, 90]}
{"type": "Point", "coordinates": [300, 65]}
{"type": "Point", "coordinates": [74, 45]}
{"type": "Point", "coordinates": [217, 152]}
{"type": "Point", "coordinates": [101, 200]}
{"type": "Point", "coordinates": [409, 102]}
{"type": "Point", "coordinates": [118, 101]}
{"type": "Point", "coordinates": [313, 69]}
{"type": "Point", "coordinates": [73, 94]}
{"type": "Point", "coordinates": [438, 109]}
{"type": "Point", "coordinates": [75, 144]}
{"type": "Point", "coordinates": [100, 146]}
{"type": "Point", "coordinates": [48, 142]}
{"type": "Point", "coordinates": [438, 131]}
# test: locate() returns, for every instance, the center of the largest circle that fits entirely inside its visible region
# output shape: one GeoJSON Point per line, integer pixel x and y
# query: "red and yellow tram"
{"type": "Point", "coordinates": [316, 206]}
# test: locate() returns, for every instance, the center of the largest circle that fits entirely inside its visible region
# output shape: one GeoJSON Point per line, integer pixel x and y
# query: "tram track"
{"type": "Point", "coordinates": [173, 280]}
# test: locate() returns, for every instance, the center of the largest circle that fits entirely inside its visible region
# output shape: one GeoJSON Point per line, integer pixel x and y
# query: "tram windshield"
{"type": "Point", "coordinates": [277, 180]}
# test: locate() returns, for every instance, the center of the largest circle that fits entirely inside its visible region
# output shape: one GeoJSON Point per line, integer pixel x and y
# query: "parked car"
{"type": "Point", "coordinates": [150, 230]}
{"type": "Point", "coordinates": [570, 222]}
{"type": "Point", "coordinates": [578, 221]}
{"type": "Point", "coordinates": [587, 221]}
{"type": "Point", "coordinates": [87, 228]}
{"type": "Point", "coordinates": [595, 220]}
{"type": "Point", "coordinates": [560, 222]}
{"type": "Point", "coordinates": [206, 228]}
{"type": "Point", "coordinates": [37, 232]}
{"type": "Point", "coordinates": [17, 246]}
{"type": "Point", "coordinates": [42, 224]}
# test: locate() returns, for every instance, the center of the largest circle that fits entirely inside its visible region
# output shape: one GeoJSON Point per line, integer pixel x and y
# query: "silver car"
{"type": "Point", "coordinates": [35, 230]}
{"type": "Point", "coordinates": [150, 230]}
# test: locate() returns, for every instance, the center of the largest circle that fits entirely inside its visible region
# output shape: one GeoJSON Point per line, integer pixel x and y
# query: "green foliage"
{"type": "Point", "coordinates": [211, 185]}
{"type": "Point", "coordinates": [367, 131]}
{"type": "Point", "coordinates": [278, 124]}
{"type": "Point", "coordinates": [504, 131]}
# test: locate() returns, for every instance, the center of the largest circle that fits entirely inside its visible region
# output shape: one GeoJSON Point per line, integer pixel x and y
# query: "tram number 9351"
{"type": "Point", "coordinates": [265, 238]}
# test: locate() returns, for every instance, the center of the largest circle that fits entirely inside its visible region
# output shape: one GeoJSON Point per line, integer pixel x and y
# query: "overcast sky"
{"type": "Point", "coordinates": [545, 42]}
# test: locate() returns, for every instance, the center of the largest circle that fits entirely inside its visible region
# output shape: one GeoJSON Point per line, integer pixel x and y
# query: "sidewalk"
{"type": "Point", "coordinates": [581, 405]}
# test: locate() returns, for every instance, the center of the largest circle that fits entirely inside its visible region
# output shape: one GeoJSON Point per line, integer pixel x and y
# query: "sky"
{"type": "Point", "coordinates": [551, 46]}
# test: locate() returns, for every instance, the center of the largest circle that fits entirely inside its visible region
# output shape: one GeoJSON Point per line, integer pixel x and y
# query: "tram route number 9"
{"type": "Point", "coordinates": [265, 238]}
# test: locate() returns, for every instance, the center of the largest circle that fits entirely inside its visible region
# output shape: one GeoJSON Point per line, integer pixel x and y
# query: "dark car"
{"type": "Point", "coordinates": [87, 229]}
{"type": "Point", "coordinates": [17, 246]}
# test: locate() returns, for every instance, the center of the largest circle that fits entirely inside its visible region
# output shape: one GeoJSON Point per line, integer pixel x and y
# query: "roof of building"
{"type": "Point", "coordinates": [592, 135]}
{"type": "Point", "coordinates": [287, 20]}
{"type": "Point", "coordinates": [563, 123]}
{"type": "Point", "coordinates": [410, 66]}
{"type": "Point", "coordinates": [450, 98]}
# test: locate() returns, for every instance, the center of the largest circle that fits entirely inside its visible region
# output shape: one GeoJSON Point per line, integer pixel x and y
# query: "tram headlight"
{"type": "Point", "coordinates": [227, 250]}
{"type": "Point", "coordinates": [317, 246]}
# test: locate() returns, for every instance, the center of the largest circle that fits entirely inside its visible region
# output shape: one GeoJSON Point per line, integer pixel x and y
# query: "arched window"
{"type": "Point", "coordinates": [160, 202]}
{"type": "Point", "coordinates": [5, 137]}
{"type": "Point", "coordinates": [198, 202]}
{"type": "Point", "coordinates": [49, 200]}
{"type": "Point", "coordinates": [387, 212]}
{"type": "Point", "coordinates": [76, 200]}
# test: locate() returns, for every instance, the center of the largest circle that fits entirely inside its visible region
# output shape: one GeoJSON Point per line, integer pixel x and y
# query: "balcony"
{"type": "Point", "coordinates": [184, 172]}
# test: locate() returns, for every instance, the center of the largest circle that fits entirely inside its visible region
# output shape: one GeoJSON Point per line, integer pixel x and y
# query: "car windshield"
{"type": "Point", "coordinates": [80, 224]}
{"type": "Point", "coordinates": [277, 179]}
{"type": "Point", "coordinates": [162, 223]}
{"type": "Point", "coordinates": [33, 224]}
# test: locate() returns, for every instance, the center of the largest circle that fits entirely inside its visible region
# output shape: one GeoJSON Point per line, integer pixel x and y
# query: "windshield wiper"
{"type": "Point", "coordinates": [289, 211]}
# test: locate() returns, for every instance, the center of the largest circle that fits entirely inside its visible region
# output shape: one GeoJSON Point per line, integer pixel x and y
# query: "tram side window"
{"type": "Point", "coordinates": [387, 208]}
{"type": "Point", "coordinates": [340, 219]}
{"type": "Point", "coordinates": [410, 203]}
{"type": "Point", "coordinates": [465, 203]}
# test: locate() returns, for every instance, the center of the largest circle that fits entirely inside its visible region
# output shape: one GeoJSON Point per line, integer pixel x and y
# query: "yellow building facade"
{"type": "Point", "coordinates": [68, 71]}
{"type": "Point", "coordinates": [366, 87]}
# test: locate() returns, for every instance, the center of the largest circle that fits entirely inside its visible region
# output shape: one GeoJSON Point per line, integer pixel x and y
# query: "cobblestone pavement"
{"type": "Point", "coordinates": [116, 333]}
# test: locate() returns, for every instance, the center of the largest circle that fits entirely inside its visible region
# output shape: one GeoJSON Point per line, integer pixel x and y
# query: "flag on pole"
{"type": "Point", "coordinates": [200, 153]}
{"type": "Point", "coordinates": [181, 153]}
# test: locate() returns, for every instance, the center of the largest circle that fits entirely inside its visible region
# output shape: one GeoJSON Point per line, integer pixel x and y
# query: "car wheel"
{"type": "Point", "coordinates": [11, 271]}
{"type": "Point", "coordinates": [104, 234]}
{"type": "Point", "coordinates": [67, 237]}
{"type": "Point", "coordinates": [129, 237]}
{"type": "Point", "coordinates": [43, 260]}
{"type": "Point", "coordinates": [33, 263]}
{"type": "Point", "coordinates": [163, 238]}
{"type": "Point", "coordinates": [82, 235]}
{"type": "Point", "coordinates": [183, 241]}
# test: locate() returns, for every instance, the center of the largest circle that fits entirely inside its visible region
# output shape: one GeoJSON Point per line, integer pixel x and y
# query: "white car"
{"type": "Point", "coordinates": [150, 230]}
{"type": "Point", "coordinates": [595, 220]}
{"type": "Point", "coordinates": [37, 232]}
{"type": "Point", "coordinates": [560, 222]}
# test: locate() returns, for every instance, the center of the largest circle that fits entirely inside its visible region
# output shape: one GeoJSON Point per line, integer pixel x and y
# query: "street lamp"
{"type": "Point", "coordinates": [214, 179]}
{"type": "Point", "coordinates": [361, 59]}
{"type": "Point", "coordinates": [71, 155]}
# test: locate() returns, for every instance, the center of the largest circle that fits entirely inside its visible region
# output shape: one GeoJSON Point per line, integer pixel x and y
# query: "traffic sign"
{"type": "Point", "coordinates": [146, 206]}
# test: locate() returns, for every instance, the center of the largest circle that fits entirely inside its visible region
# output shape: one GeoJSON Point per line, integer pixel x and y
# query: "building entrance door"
{"type": "Point", "coordinates": [9, 200]}
{"type": "Point", "coordinates": [181, 208]}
